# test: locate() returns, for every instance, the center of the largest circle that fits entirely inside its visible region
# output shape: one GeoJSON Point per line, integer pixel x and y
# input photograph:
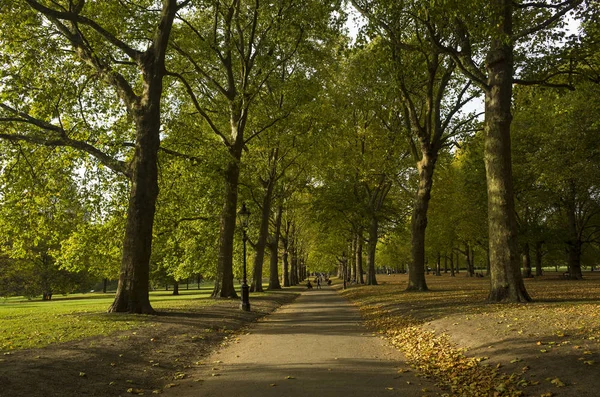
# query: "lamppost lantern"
{"type": "Point", "coordinates": [244, 215]}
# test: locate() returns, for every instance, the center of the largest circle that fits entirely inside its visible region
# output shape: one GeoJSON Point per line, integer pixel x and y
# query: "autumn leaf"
{"type": "Point", "coordinates": [557, 382]}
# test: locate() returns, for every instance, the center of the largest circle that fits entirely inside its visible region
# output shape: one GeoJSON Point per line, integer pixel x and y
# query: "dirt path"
{"type": "Point", "coordinates": [314, 345]}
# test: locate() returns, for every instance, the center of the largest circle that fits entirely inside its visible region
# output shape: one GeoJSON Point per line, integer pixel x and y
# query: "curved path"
{"type": "Point", "coordinates": [314, 345]}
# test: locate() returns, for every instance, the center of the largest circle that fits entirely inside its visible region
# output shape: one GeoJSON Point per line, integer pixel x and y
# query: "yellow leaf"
{"type": "Point", "coordinates": [557, 382]}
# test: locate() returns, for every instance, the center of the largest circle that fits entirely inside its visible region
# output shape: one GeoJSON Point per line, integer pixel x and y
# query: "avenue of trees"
{"type": "Point", "coordinates": [131, 133]}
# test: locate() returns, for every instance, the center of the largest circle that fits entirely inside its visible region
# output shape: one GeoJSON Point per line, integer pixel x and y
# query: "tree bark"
{"type": "Point", "coordinates": [263, 233]}
{"type": "Point", "coordinates": [538, 258]}
{"type": "Point", "coordinates": [574, 243]}
{"type": "Point", "coordinates": [175, 287]}
{"type": "Point", "coordinates": [285, 255]}
{"type": "Point", "coordinates": [274, 247]}
{"type": "Point", "coordinates": [416, 275]}
{"type": "Point", "coordinates": [132, 292]}
{"type": "Point", "coordinates": [469, 260]}
{"type": "Point", "coordinates": [224, 287]}
{"type": "Point", "coordinates": [526, 257]}
{"type": "Point", "coordinates": [505, 277]}
{"type": "Point", "coordinates": [352, 251]}
{"type": "Point", "coordinates": [371, 249]}
{"type": "Point", "coordinates": [359, 245]}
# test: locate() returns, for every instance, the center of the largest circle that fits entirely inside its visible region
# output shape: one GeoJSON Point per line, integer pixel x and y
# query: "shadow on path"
{"type": "Point", "coordinates": [314, 345]}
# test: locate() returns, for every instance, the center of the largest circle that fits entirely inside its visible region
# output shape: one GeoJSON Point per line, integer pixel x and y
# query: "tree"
{"type": "Point", "coordinates": [431, 97]}
{"type": "Point", "coordinates": [95, 60]}
{"type": "Point", "coordinates": [467, 40]}
{"type": "Point", "coordinates": [230, 54]}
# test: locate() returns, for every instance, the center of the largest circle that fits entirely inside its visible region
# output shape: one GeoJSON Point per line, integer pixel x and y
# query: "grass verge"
{"type": "Point", "coordinates": [563, 324]}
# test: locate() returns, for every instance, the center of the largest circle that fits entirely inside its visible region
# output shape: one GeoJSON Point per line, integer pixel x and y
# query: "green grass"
{"type": "Point", "coordinates": [34, 323]}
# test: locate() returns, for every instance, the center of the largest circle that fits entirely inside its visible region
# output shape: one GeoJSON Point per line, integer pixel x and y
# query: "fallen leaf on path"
{"type": "Point", "coordinates": [557, 382]}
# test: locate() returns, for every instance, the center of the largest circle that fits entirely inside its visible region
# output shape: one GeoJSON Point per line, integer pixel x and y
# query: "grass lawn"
{"type": "Point", "coordinates": [34, 323]}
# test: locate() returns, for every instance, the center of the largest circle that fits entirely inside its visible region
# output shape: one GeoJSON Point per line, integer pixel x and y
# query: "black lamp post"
{"type": "Point", "coordinates": [244, 215]}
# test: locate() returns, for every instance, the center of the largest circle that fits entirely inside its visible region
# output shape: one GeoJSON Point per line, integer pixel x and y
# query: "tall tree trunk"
{"type": "Point", "coordinates": [359, 256]}
{"type": "Point", "coordinates": [351, 263]}
{"type": "Point", "coordinates": [526, 257]}
{"type": "Point", "coordinates": [104, 285]}
{"type": "Point", "coordinates": [132, 292]}
{"type": "Point", "coordinates": [470, 267]}
{"type": "Point", "coordinates": [574, 243]}
{"type": "Point", "coordinates": [438, 267]}
{"type": "Point", "coordinates": [538, 258]}
{"type": "Point", "coordinates": [224, 287]}
{"type": "Point", "coordinates": [175, 287]}
{"type": "Point", "coordinates": [285, 259]}
{"type": "Point", "coordinates": [261, 242]}
{"type": "Point", "coordinates": [372, 247]}
{"type": "Point", "coordinates": [505, 277]}
{"type": "Point", "coordinates": [452, 265]}
{"type": "Point", "coordinates": [457, 263]}
{"type": "Point", "coordinates": [416, 274]}
{"type": "Point", "coordinates": [294, 269]}
{"type": "Point", "coordinates": [274, 247]}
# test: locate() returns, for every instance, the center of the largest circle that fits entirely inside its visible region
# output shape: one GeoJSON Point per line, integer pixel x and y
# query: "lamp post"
{"type": "Point", "coordinates": [244, 215]}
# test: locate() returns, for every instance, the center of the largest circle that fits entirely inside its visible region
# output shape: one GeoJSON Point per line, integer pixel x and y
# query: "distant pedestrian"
{"type": "Point", "coordinates": [319, 283]}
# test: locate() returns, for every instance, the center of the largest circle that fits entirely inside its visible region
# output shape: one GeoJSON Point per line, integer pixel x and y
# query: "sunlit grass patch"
{"type": "Point", "coordinates": [27, 324]}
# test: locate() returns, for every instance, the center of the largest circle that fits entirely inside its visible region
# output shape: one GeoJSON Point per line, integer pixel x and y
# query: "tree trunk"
{"type": "Point", "coordinates": [274, 247]}
{"type": "Point", "coordinates": [104, 285]}
{"type": "Point", "coordinates": [538, 258]}
{"type": "Point", "coordinates": [286, 266]}
{"type": "Point", "coordinates": [224, 287]}
{"type": "Point", "coordinates": [371, 249]}
{"type": "Point", "coordinates": [469, 260]}
{"type": "Point", "coordinates": [263, 234]}
{"type": "Point", "coordinates": [351, 263]}
{"type": "Point", "coordinates": [359, 256]}
{"type": "Point", "coordinates": [505, 277]}
{"type": "Point", "coordinates": [175, 287]}
{"type": "Point", "coordinates": [132, 292]}
{"type": "Point", "coordinates": [452, 265]}
{"type": "Point", "coordinates": [445, 263]}
{"type": "Point", "coordinates": [526, 261]}
{"type": "Point", "coordinates": [574, 243]}
{"type": "Point", "coordinates": [416, 275]}
{"type": "Point", "coordinates": [457, 263]}
{"type": "Point", "coordinates": [438, 267]}
{"type": "Point", "coordinates": [134, 278]}
{"type": "Point", "coordinates": [294, 266]}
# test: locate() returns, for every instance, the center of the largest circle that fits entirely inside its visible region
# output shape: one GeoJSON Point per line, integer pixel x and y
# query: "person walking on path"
{"type": "Point", "coordinates": [313, 346]}
{"type": "Point", "coordinates": [318, 282]}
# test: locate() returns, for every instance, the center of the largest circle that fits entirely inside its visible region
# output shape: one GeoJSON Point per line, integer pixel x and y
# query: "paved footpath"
{"type": "Point", "coordinates": [314, 345]}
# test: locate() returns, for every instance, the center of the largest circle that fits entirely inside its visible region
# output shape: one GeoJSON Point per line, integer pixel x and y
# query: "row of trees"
{"type": "Point", "coordinates": [103, 106]}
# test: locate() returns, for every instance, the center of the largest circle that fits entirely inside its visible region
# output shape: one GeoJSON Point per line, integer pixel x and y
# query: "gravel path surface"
{"type": "Point", "coordinates": [314, 345]}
